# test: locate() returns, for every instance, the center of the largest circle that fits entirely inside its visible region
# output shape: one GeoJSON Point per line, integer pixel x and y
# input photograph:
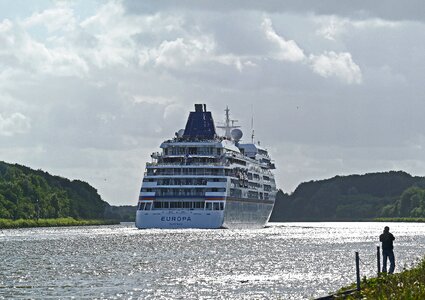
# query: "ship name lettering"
{"type": "Point", "coordinates": [178, 219]}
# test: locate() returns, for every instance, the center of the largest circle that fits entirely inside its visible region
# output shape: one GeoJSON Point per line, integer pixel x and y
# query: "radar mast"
{"type": "Point", "coordinates": [228, 124]}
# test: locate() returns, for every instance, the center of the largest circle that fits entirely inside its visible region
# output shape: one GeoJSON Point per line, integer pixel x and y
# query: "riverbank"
{"type": "Point", "coordinates": [408, 284]}
{"type": "Point", "coordinates": [415, 220]}
{"type": "Point", "coordinates": [59, 222]}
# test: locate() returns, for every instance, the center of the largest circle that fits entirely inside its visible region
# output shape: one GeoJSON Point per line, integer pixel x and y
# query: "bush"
{"type": "Point", "coordinates": [25, 223]}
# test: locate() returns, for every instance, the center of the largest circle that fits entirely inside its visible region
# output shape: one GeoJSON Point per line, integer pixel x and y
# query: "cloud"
{"type": "Point", "coordinates": [392, 10]}
{"type": "Point", "coordinates": [21, 51]}
{"type": "Point", "coordinates": [327, 64]}
{"type": "Point", "coordinates": [180, 53]}
{"type": "Point", "coordinates": [340, 65]}
{"type": "Point", "coordinates": [288, 50]}
{"type": "Point", "coordinates": [60, 17]}
{"type": "Point", "coordinates": [14, 124]}
{"type": "Point", "coordinates": [332, 27]}
{"type": "Point", "coordinates": [96, 91]}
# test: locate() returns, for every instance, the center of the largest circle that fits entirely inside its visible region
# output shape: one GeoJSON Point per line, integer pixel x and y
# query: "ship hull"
{"type": "Point", "coordinates": [238, 213]}
{"type": "Point", "coordinates": [245, 213]}
{"type": "Point", "coordinates": [179, 219]}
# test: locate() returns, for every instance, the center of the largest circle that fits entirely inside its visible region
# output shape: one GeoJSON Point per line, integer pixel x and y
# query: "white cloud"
{"type": "Point", "coordinates": [332, 27]}
{"type": "Point", "coordinates": [340, 65]}
{"type": "Point", "coordinates": [14, 124]}
{"type": "Point", "coordinates": [328, 64]}
{"type": "Point", "coordinates": [60, 17]}
{"type": "Point", "coordinates": [118, 80]}
{"type": "Point", "coordinates": [151, 100]}
{"type": "Point", "coordinates": [288, 50]}
{"type": "Point", "coordinates": [19, 50]}
{"type": "Point", "coordinates": [180, 52]}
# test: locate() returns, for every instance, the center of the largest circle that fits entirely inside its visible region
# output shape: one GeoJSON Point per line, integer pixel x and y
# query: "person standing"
{"type": "Point", "coordinates": [387, 239]}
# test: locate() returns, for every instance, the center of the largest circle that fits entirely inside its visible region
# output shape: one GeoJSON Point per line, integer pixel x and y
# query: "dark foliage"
{"type": "Point", "coordinates": [354, 197]}
{"type": "Point", "coordinates": [124, 213]}
{"type": "Point", "coordinates": [30, 194]}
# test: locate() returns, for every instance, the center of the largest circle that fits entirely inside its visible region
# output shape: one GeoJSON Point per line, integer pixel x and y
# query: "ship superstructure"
{"type": "Point", "coordinates": [203, 180]}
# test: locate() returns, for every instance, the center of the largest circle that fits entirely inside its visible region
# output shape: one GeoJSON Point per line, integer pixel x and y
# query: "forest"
{"type": "Point", "coordinates": [393, 194]}
{"type": "Point", "coordinates": [35, 194]}
{"type": "Point", "coordinates": [32, 194]}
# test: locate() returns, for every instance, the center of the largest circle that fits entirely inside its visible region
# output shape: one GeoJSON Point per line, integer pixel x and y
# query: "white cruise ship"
{"type": "Point", "coordinates": [203, 180]}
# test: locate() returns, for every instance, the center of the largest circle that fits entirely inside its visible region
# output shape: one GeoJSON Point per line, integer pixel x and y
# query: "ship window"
{"type": "Point", "coordinates": [221, 206]}
{"type": "Point", "coordinates": [199, 204]}
{"type": "Point", "coordinates": [235, 193]}
{"type": "Point", "coordinates": [208, 206]}
{"type": "Point", "coordinates": [267, 187]}
{"type": "Point", "coordinates": [141, 205]}
{"type": "Point", "coordinates": [216, 206]}
{"type": "Point", "coordinates": [253, 195]}
{"type": "Point", "coordinates": [148, 206]}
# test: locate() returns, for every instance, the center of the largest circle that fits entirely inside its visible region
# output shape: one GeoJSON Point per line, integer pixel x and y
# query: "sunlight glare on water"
{"type": "Point", "coordinates": [282, 261]}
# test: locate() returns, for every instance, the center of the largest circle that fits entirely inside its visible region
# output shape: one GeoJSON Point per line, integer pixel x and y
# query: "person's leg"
{"type": "Point", "coordinates": [384, 261]}
{"type": "Point", "coordinates": [392, 261]}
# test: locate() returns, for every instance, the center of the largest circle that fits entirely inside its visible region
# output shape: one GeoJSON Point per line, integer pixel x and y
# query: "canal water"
{"type": "Point", "coordinates": [282, 261]}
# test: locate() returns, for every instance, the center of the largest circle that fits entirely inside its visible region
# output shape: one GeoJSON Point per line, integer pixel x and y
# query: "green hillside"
{"type": "Point", "coordinates": [354, 197]}
{"type": "Point", "coordinates": [29, 194]}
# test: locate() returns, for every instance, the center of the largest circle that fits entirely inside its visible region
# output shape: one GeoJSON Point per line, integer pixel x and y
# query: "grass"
{"type": "Point", "coordinates": [25, 223]}
{"type": "Point", "coordinates": [409, 284]}
{"type": "Point", "coordinates": [419, 220]}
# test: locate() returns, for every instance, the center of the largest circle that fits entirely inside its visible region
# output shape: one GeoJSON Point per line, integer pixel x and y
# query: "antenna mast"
{"type": "Point", "coordinates": [252, 123]}
{"type": "Point", "coordinates": [227, 127]}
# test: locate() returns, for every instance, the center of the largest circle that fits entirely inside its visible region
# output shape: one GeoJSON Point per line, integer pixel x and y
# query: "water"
{"type": "Point", "coordinates": [283, 261]}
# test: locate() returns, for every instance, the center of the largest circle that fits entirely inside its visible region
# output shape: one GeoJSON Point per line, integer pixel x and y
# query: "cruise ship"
{"type": "Point", "coordinates": [204, 180]}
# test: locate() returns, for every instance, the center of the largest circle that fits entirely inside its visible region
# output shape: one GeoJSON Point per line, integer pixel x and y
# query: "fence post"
{"type": "Point", "coordinates": [358, 270]}
{"type": "Point", "coordinates": [378, 260]}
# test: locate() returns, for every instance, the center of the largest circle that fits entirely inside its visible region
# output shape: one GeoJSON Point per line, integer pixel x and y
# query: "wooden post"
{"type": "Point", "coordinates": [378, 260]}
{"type": "Point", "coordinates": [358, 270]}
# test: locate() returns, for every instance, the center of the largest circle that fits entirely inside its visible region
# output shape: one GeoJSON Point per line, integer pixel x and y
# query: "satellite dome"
{"type": "Point", "coordinates": [180, 133]}
{"type": "Point", "coordinates": [236, 134]}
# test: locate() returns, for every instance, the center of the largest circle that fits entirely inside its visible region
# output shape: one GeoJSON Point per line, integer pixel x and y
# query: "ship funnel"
{"type": "Point", "coordinates": [200, 124]}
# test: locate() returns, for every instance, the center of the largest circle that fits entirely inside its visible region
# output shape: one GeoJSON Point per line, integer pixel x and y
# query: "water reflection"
{"type": "Point", "coordinates": [285, 260]}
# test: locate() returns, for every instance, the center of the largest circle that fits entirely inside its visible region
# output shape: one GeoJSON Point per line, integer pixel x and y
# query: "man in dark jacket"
{"type": "Point", "coordinates": [387, 250]}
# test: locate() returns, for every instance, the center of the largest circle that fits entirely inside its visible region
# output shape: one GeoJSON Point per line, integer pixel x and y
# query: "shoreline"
{"type": "Point", "coordinates": [58, 222]}
{"type": "Point", "coordinates": [408, 284]}
{"type": "Point", "coordinates": [69, 221]}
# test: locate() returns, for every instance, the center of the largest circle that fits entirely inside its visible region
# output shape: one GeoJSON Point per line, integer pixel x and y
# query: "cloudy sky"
{"type": "Point", "coordinates": [88, 89]}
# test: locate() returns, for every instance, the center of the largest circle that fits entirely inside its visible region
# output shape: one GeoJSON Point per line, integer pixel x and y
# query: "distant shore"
{"type": "Point", "coordinates": [417, 220]}
{"type": "Point", "coordinates": [59, 222]}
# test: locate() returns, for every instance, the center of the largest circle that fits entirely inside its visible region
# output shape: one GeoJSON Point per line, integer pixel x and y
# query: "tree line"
{"type": "Point", "coordinates": [31, 194]}
{"type": "Point", "coordinates": [354, 197]}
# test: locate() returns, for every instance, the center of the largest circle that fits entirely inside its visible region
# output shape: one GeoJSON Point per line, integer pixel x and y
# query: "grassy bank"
{"type": "Point", "coordinates": [409, 284]}
{"type": "Point", "coordinates": [24, 223]}
{"type": "Point", "coordinates": [419, 220]}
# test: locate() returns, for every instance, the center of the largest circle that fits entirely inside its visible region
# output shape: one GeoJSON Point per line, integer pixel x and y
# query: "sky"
{"type": "Point", "coordinates": [89, 89]}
